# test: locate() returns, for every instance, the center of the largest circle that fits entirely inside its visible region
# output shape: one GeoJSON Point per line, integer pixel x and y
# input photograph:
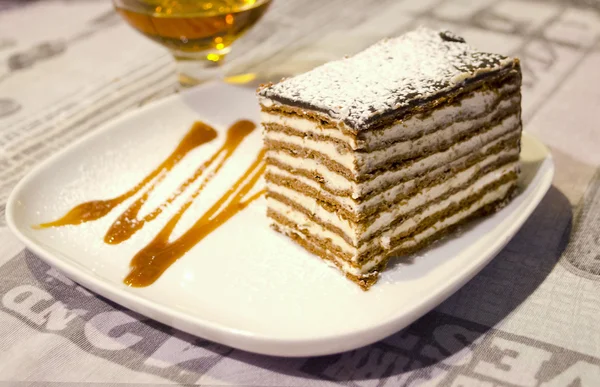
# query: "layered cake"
{"type": "Point", "coordinates": [377, 155]}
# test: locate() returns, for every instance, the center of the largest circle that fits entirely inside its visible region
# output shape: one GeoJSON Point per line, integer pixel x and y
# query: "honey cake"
{"type": "Point", "coordinates": [379, 154]}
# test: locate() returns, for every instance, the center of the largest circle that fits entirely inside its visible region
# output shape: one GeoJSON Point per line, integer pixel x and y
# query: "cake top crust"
{"type": "Point", "coordinates": [391, 75]}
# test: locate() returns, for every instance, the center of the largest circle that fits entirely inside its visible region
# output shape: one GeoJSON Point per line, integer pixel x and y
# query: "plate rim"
{"type": "Point", "coordinates": [247, 340]}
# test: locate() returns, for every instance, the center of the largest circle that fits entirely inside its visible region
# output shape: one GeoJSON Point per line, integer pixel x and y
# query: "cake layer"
{"type": "Point", "coordinates": [472, 106]}
{"type": "Point", "coordinates": [355, 233]}
{"type": "Point", "coordinates": [387, 239]}
{"type": "Point", "coordinates": [403, 246]}
{"type": "Point", "coordinates": [339, 183]}
{"type": "Point", "coordinates": [367, 275]}
{"type": "Point", "coordinates": [355, 211]}
{"type": "Point", "coordinates": [356, 163]}
{"type": "Point", "coordinates": [379, 85]}
{"type": "Point", "coordinates": [381, 153]}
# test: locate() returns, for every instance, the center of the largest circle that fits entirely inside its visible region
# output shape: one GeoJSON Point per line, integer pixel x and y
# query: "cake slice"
{"type": "Point", "coordinates": [379, 154]}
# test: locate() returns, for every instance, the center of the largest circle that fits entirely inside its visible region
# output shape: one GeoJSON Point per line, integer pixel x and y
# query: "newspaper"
{"type": "Point", "coordinates": [528, 319]}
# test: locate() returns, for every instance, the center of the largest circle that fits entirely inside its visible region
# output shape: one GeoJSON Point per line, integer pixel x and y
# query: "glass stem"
{"type": "Point", "coordinates": [195, 68]}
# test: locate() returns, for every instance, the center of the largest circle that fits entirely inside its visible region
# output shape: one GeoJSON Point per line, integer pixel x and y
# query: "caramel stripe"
{"type": "Point", "coordinates": [198, 135]}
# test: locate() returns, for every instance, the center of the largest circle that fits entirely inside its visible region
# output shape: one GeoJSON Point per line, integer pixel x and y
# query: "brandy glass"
{"type": "Point", "coordinates": [198, 33]}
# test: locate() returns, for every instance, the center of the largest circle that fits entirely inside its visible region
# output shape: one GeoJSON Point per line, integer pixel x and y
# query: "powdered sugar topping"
{"type": "Point", "coordinates": [386, 76]}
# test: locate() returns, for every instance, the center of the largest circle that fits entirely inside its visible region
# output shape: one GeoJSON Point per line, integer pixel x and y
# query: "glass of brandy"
{"type": "Point", "coordinates": [198, 33]}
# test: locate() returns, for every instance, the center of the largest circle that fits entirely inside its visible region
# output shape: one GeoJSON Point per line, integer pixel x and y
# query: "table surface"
{"type": "Point", "coordinates": [530, 318]}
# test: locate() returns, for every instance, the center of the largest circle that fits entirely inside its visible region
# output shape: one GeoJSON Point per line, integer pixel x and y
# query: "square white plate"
{"type": "Point", "coordinates": [245, 285]}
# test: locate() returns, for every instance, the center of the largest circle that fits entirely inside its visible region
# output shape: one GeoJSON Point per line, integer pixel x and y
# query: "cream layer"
{"type": "Point", "coordinates": [474, 105]}
{"type": "Point", "coordinates": [335, 181]}
{"type": "Point", "coordinates": [384, 238]}
{"type": "Point", "coordinates": [488, 198]}
{"type": "Point", "coordinates": [356, 233]}
{"type": "Point", "coordinates": [389, 196]}
{"type": "Point", "coordinates": [365, 162]}
{"type": "Point", "coordinates": [346, 267]}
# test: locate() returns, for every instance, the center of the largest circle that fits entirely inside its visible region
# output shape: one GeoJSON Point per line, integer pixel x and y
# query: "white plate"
{"type": "Point", "coordinates": [245, 285]}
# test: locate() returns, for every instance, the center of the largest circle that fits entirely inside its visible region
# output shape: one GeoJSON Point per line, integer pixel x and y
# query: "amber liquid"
{"type": "Point", "coordinates": [193, 26]}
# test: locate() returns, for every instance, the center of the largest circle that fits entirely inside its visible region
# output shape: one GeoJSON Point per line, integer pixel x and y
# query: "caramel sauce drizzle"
{"type": "Point", "coordinates": [156, 257]}
{"type": "Point", "coordinates": [199, 134]}
{"type": "Point", "coordinates": [128, 223]}
{"type": "Point", "coordinates": [151, 261]}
